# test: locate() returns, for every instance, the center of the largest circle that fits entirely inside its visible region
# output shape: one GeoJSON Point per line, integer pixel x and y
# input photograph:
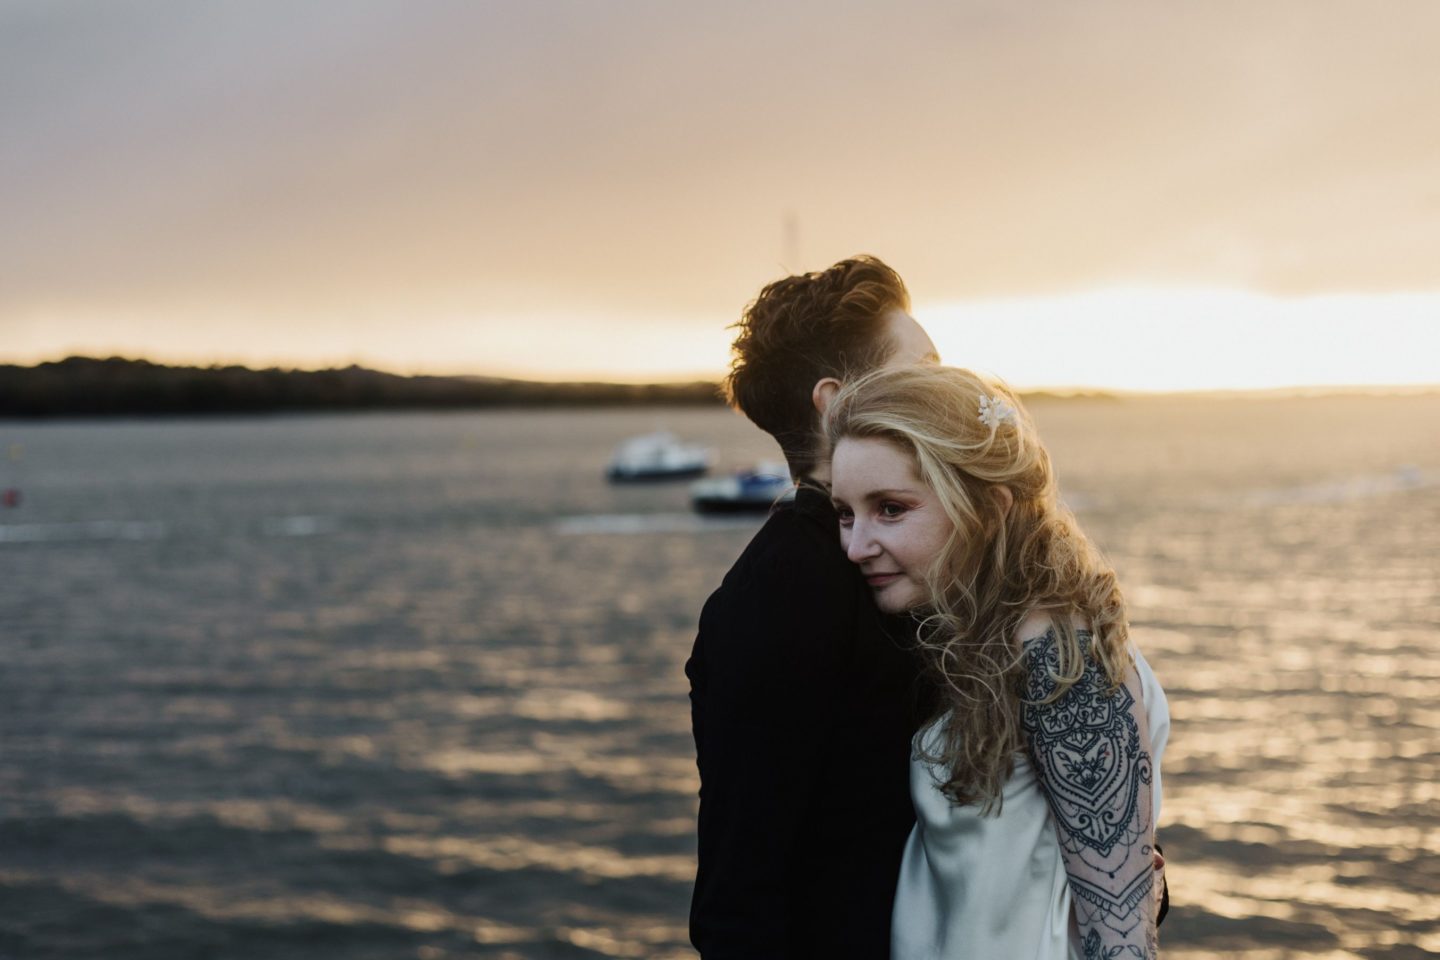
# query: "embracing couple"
{"type": "Point", "coordinates": [921, 727]}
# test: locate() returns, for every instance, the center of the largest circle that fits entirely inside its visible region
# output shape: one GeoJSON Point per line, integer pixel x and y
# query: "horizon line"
{"type": "Point", "coordinates": [1070, 390]}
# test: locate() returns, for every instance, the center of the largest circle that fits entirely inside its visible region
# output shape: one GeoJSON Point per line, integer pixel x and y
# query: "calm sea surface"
{"type": "Point", "coordinates": [410, 685]}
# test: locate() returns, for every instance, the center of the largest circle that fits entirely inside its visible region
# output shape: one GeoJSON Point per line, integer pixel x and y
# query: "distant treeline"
{"type": "Point", "coordinates": [84, 386]}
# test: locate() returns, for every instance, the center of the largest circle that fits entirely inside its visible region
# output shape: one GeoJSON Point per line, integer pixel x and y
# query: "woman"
{"type": "Point", "coordinates": [1037, 787]}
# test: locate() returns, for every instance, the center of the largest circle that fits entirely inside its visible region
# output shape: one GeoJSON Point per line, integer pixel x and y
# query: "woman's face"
{"type": "Point", "coordinates": [891, 523]}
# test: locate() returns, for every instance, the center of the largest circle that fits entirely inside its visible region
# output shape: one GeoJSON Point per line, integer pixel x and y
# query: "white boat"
{"type": "Point", "coordinates": [657, 456]}
{"type": "Point", "coordinates": [755, 490]}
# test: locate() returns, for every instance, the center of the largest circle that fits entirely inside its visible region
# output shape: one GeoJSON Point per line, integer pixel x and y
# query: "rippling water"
{"type": "Point", "coordinates": [410, 686]}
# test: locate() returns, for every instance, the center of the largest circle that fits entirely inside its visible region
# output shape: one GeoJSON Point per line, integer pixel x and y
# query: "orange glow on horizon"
{"type": "Point", "coordinates": [1128, 339]}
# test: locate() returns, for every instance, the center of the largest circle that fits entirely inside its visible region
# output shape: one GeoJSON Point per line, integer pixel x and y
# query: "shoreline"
{"type": "Point", "coordinates": [116, 387]}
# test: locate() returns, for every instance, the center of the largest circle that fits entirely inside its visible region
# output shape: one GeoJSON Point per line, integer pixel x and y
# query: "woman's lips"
{"type": "Point", "coordinates": [881, 579]}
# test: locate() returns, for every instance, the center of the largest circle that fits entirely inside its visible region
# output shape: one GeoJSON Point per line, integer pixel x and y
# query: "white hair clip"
{"type": "Point", "coordinates": [994, 411]}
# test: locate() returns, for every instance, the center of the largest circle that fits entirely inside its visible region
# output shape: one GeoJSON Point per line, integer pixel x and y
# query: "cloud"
{"type": "Point", "coordinates": [512, 160]}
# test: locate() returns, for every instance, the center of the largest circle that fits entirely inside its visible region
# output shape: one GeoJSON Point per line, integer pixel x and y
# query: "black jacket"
{"type": "Point", "coordinates": [803, 702]}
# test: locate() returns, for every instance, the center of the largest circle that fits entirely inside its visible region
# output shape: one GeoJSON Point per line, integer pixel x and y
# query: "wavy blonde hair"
{"type": "Point", "coordinates": [1001, 562]}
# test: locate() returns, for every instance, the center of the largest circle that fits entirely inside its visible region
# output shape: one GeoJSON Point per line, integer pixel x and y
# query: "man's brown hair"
{"type": "Point", "coordinates": [801, 330]}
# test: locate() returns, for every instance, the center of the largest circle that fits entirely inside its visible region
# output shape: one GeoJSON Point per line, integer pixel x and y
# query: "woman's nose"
{"type": "Point", "coordinates": [860, 545]}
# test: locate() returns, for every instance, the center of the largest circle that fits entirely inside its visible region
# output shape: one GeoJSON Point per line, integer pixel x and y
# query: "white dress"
{"type": "Point", "coordinates": [994, 888]}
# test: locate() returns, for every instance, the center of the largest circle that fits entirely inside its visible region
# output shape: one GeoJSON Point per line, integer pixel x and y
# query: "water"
{"type": "Point", "coordinates": [410, 685]}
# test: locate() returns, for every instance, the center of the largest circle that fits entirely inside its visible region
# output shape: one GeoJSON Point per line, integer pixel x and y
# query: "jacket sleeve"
{"type": "Point", "coordinates": [762, 673]}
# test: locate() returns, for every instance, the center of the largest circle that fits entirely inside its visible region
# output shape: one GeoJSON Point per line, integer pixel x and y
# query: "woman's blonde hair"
{"type": "Point", "coordinates": [1005, 558]}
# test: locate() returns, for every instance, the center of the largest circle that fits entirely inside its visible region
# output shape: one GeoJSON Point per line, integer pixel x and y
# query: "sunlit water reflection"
{"type": "Point", "coordinates": [410, 686]}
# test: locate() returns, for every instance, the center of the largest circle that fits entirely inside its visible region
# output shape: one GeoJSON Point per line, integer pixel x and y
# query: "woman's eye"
{"type": "Point", "coordinates": [890, 509]}
{"type": "Point", "coordinates": [847, 517]}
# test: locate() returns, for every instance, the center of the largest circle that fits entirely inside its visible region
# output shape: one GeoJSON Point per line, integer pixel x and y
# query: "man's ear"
{"type": "Point", "coordinates": [824, 391]}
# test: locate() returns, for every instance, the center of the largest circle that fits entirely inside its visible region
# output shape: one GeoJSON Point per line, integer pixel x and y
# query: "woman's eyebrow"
{"type": "Point", "coordinates": [882, 493]}
{"type": "Point", "coordinates": [894, 492]}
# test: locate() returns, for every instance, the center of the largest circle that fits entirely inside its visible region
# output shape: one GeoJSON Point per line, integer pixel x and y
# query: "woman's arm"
{"type": "Point", "coordinates": [1091, 750]}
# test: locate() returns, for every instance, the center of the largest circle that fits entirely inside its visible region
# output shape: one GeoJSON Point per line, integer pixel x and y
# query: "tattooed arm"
{"type": "Point", "coordinates": [1091, 751]}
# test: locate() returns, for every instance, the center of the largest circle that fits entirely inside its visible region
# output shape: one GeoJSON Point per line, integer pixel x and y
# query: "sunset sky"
{"type": "Point", "coordinates": [1146, 195]}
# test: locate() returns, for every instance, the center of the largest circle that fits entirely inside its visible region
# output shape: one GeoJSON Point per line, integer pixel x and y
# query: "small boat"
{"type": "Point", "coordinates": [750, 491]}
{"type": "Point", "coordinates": [657, 456]}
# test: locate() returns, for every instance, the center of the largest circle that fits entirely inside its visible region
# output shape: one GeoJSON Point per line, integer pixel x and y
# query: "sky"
{"type": "Point", "coordinates": [1134, 195]}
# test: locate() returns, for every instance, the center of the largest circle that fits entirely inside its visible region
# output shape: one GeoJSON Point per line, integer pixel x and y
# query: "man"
{"type": "Point", "coordinates": [802, 703]}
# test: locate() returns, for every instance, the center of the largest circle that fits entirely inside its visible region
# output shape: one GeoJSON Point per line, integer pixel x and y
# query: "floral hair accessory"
{"type": "Point", "coordinates": [994, 411]}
